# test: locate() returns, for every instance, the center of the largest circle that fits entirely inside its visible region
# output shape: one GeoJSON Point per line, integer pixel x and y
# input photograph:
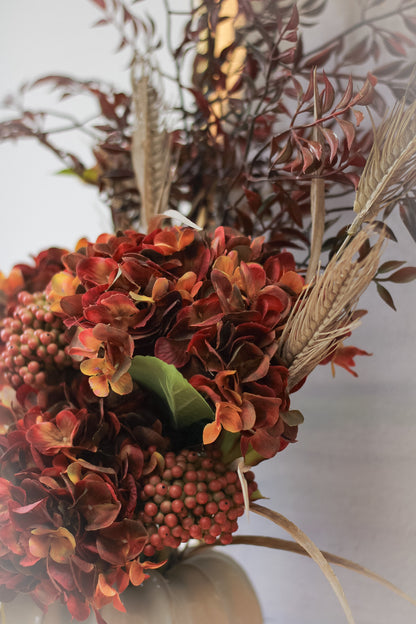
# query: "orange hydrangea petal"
{"type": "Point", "coordinates": [99, 385]}
{"type": "Point", "coordinates": [293, 280]}
{"type": "Point", "coordinates": [211, 432]}
{"type": "Point", "coordinates": [123, 385]}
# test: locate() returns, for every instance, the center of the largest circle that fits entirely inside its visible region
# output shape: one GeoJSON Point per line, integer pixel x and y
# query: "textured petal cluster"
{"type": "Point", "coordinates": [213, 306]}
{"type": "Point", "coordinates": [70, 503]}
{"type": "Point", "coordinates": [86, 453]}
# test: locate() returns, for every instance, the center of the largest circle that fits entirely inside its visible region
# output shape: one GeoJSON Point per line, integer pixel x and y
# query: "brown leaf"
{"type": "Point", "coordinates": [385, 295]}
{"type": "Point", "coordinates": [390, 265]}
{"type": "Point", "coordinates": [404, 275]}
{"type": "Point", "coordinates": [408, 216]}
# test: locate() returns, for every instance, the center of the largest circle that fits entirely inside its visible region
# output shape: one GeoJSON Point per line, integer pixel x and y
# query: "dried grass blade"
{"type": "Point", "coordinates": [324, 313]}
{"type": "Point", "coordinates": [151, 153]}
{"type": "Point", "coordinates": [311, 549]}
{"type": "Point", "coordinates": [289, 546]}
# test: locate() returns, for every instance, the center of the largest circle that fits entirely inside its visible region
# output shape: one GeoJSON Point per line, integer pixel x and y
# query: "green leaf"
{"type": "Point", "coordinates": [68, 171]}
{"type": "Point", "coordinates": [257, 495]}
{"type": "Point", "coordinates": [252, 458]}
{"type": "Point", "coordinates": [230, 446]}
{"type": "Point", "coordinates": [185, 404]}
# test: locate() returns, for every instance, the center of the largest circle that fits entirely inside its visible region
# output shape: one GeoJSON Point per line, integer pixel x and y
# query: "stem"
{"type": "Point", "coordinates": [317, 202]}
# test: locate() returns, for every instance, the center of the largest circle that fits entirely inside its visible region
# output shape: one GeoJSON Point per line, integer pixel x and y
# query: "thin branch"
{"type": "Point", "coordinates": [366, 22]}
{"type": "Point", "coordinates": [171, 50]}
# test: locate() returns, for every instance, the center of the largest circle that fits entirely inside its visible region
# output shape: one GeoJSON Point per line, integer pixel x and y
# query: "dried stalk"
{"type": "Point", "coordinates": [324, 312]}
{"type": "Point", "coordinates": [312, 550]}
{"type": "Point", "coordinates": [151, 154]}
{"type": "Point", "coordinates": [317, 202]}
{"type": "Point", "coordinates": [289, 546]}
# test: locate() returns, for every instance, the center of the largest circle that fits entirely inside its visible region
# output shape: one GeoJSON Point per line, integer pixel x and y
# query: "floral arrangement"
{"type": "Point", "coordinates": [144, 374]}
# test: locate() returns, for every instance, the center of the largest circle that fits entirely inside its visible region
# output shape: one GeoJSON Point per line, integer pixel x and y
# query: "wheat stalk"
{"type": "Point", "coordinates": [325, 311]}
{"type": "Point", "coordinates": [390, 170]}
{"type": "Point", "coordinates": [151, 154]}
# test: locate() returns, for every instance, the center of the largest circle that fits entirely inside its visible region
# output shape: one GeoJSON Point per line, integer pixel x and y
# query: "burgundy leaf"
{"type": "Point", "coordinates": [307, 158]}
{"type": "Point", "coordinates": [394, 46]}
{"type": "Point", "coordinates": [316, 149]}
{"type": "Point", "coordinates": [332, 140]}
{"type": "Point", "coordinates": [349, 131]}
{"type": "Point", "coordinates": [100, 3]}
{"type": "Point", "coordinates": [327, 95]}
{"type": "Point", "coordinates": [366, 93]}
{"type": "Point", "coordinates": [346, 98]}
{"type": "Point", "coordinates": [321, 57]}
{"type": "Point", "coordinates": [293, 22]}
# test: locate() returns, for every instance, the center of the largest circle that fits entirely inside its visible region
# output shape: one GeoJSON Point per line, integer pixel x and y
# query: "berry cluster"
{"type": "Point", "coordinates": [195, 496]}
{"type": "Point", "coordinates": [34, 342]}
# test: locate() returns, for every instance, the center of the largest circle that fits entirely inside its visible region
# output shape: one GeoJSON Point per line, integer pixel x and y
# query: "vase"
{"type": "Point", "coordinates": [206, 587]}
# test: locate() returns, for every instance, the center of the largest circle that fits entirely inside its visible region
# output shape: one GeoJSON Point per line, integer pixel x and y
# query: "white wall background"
{"type": "Point", "coordinates": [349, 481]}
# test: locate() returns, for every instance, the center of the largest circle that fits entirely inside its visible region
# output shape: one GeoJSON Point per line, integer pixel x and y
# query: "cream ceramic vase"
{"type": "Point", "coordinates": [206, 588]}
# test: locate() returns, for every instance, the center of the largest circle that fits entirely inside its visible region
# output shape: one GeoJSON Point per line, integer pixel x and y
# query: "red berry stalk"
{"type": "Point", "coordinates": [34, 342]}
{"type": "Point", "coordinates": [195, 497]}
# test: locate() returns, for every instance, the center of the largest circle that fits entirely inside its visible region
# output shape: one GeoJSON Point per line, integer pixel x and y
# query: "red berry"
{"type": "Point", "coordinates": [148, 550]}
{"type": "Point", "coordinates": [177, 506]}
{"type": "Point", "coordinates": [171, 520]}
{"type": "Point", "coordinates": [205, 523]}
{"type": "Point", "coordinates": [175, 491]}
{"type": "Point", "coordinates": [187, 522]}
{"type": "Point", "coordinates": [190, 502]}
{"type": "Point", "coordinates": [164, 531]}
{"type": "Point", "coordinates": [224, 504]}
{"type": "Point", "coordinates": [149, 490]}
{"type": "Point", "coordinates": [151, 509]}
{"type": "Point", "coordinates": [238, 498]}
{"type": "Point", "coordinates": [190, 475]}
{"type": "Point", "coordinates": [165, 506]}
{"type": "Point", "coordinates": [211, 508]}
{"type": "Point", "coordinates": [215, 530]}
{"type": "Point", "coordinates": [226, 538]}
{"type": "Point", "coordinates": [156, 540]}
{"type": "Point", "coordinates": [209, 539]}
{"type": "Point", "coordinates": [202, 498]}
{"type": "Point", "coordinates": [161, 488]}
{"type": "Point", "coordinates": [195, 531]}
{"type": "Point", "coordinates": [177, 472]}
{"type": "Point", "coordinates": [189, 489]}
